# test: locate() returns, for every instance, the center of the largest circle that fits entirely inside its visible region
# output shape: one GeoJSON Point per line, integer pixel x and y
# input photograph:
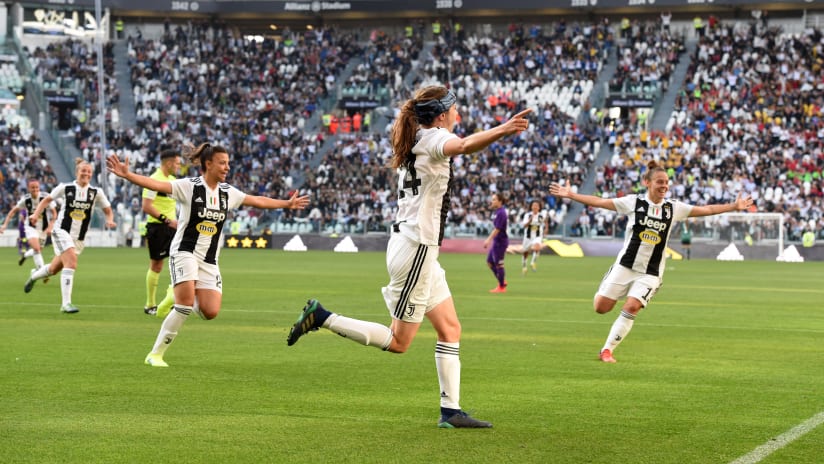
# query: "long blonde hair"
{"type": "Point", "coordinates": [420, 110]}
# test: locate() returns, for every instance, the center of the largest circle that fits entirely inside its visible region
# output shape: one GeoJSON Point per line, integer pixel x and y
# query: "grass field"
{"type": "Point", "coordinates": [727, 358]}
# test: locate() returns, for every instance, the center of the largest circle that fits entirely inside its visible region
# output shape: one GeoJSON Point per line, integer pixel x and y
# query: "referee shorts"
{"type": "Point", "coordinates": [159, 237]}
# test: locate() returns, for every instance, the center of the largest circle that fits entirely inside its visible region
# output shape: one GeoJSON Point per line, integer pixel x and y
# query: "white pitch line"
{"type": "Point", "coordinates": [781, 441]}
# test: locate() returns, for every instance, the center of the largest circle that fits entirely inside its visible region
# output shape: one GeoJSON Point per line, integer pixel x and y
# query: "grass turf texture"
{"type": "Point", "coordinates": [727, 357]}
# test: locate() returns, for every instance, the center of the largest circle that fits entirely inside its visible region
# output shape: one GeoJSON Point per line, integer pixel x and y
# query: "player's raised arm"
{"type": "Point", "coordinates": [565, 191]}
{"type": "Point", "coordinates": [741, 203]}
{"type": "Point", "coordinates": [121, 169]}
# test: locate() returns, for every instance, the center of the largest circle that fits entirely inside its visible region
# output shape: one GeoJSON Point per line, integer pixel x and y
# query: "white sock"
{"type": "Point", "coordinates": [196, 310]}
{"type": "Point", "coordinates": [364, 332]}
{"type": "Point", "coordinates": [168, 330]}
{"type": "Point", "coordinates": [40, 272]}
{"type": "Point", "coordinates": [534, 256]}
{"type": "Point", "coordinates": [448, 363]}
{"type": "Point", "coordinates": [66, 284]}
{"type": "Point", "coordinates": [38, 260]}
{"type": "Point", "coordinates": [523, 261]}
{"type": "Point", "coordinates": [29, 253]}
{"type": "Point", "coordinates": [620, 329]}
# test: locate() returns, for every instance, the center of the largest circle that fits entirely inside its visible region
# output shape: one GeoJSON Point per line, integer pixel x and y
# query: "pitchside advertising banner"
{"type": "Point", "coordinates": [387, 6]}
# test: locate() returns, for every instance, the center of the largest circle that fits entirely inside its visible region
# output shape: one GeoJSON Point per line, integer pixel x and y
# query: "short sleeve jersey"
{"type": "Point", "coordinates": [648, 229]}
{"type": "Point", "coordinates": [534, 224]}
{"type": "Point", "coordinates": [424, 188]}
{"type": "Point", "coordinates": [75, 214]}
{"type": "Point", "coordinates": [500, 223]}
{"type": "Point", "coordinates": [203, 212]}
{"type": "Point", "coordinates": [163, 202]}
{"type": "Point", "coordinates": [29, 204]}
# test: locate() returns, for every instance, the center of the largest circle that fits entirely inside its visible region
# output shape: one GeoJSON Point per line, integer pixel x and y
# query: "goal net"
{"type": "Point", "coordinates": [750, 229]}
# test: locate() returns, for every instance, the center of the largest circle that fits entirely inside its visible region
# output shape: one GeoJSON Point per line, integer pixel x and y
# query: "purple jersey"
{"type": "Point", "coordinates": [501, 238]}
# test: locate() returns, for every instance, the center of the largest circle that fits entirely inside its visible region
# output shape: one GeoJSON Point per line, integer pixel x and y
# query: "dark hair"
{"type": "Point", "coordinates": [501, 197]}
{"type": "Point", "coordinates": [166, 154]}
{"type": "Point", "coordinates": [204, 152]}
{"type": "Point", "coordinates": [652, 168]}
{"type": "Point", "coordinates": [428, 103]}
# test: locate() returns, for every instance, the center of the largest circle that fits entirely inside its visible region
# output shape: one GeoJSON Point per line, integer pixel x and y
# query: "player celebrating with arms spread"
{"type": "Point", "coordinates": [205, 202]}
{"type": "Point", "coordinates": [423, 143]}
{"type": "Point", "coordinates": [638, 270]}
{"type": "Point", "coordinates": [73, 220]}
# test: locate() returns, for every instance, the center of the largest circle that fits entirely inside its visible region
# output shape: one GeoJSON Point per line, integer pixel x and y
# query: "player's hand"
{"type": "Point", "coordinates": [298, 202]}
{"type": "Point", "coordinates": [742, 203]}
{"type": "Point", "coordinates": [518, 123]}
{"type": "Point", "coordinates": [563, 191]}
{"type": "Point", "coordinates": [116, 167]}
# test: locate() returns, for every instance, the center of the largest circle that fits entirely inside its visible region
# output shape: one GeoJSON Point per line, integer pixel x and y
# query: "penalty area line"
{"type": "Point", "coordinates": [781, 441]}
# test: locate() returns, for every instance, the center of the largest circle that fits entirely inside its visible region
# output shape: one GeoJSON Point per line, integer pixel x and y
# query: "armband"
{"type": "Point", "coordinates": [162, 218]}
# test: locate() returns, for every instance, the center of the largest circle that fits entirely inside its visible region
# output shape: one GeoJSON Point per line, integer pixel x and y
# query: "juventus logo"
{"type": "Point", "coordinates": [410, 310]}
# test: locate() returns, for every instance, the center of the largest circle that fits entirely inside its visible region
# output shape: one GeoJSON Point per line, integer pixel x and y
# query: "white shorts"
{"type": "Point", "coordinates": [35, 234]}
{"type": "Point", "coordinates": [185, 267]}
{"type": "Point", "coordinates": [621, 281]}
{"type": "Point", "coordinates": [417, 282]}
{"type": "Point", "coordinates": [531, 242]}
{"type": "Point", "coordinates": [62, 241]}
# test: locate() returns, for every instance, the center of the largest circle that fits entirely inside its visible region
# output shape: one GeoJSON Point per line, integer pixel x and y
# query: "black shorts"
{"type": "Point", "coordinates": [159, 237]}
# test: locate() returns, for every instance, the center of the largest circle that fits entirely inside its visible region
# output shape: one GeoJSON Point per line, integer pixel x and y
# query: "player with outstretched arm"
{"type": "Point", "coordinates": [193, 258]}
{"type": "Point", "coordinates": [423, 143]}
{"type": "Point", "coordinates": [639, 268]}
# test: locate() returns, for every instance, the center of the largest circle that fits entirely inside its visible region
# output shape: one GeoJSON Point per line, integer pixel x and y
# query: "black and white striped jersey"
{"type": "Point", "coordinates": [30, 204]}
{"type": "Point", "coordinates": [75, 214]}
{"type": "Point", "coordinates": [534, 224]}
{"type": "Point", "coordinates": [203, 212]}
{"type": "Point", "coordinates": [648, 229]}
{"type": "Point", "coordinates": [424, 189]}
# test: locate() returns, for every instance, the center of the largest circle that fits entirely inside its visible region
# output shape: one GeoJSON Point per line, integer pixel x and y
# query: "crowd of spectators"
{"type": "Point", "coordinates": [204, 82]}
{"type": "Point", "coordinates": [748, 119]}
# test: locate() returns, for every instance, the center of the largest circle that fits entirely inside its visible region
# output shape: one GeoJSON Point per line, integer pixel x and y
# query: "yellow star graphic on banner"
{"type": "Point", "coordinates": [246, 242]}
{"type": "Point", "coordinates": [261, 242]}
{"type": "Point", "coordinates": [231, 242]}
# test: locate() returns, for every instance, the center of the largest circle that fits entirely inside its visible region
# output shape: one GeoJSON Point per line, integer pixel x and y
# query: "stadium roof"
{"type": "Point", "coordinates": [303, 8]}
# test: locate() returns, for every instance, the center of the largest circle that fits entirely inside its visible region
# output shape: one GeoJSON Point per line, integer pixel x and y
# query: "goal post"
{"type": "Point", "coordinates": [764, 229]}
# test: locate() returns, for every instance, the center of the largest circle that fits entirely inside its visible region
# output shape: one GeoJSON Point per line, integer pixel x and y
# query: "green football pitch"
{"type": "Point", "coordinates": [726, 364]}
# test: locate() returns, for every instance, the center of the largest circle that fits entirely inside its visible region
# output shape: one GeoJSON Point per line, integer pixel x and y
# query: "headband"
{"type": "Point", "coordinates": [432, 108]}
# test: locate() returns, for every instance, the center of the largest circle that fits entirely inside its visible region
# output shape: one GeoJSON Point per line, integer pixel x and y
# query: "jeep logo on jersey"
{"type": "Point", "coordinates": [655, 225]}
{"type": "Point", "coordinates": [207, 228]}
{"type": "Point", "coordinates": [211, 214]}
{"type": "Point", "coordinates": [77, 214]}
{"type": "Point", "coordinates": [650, 237]}
{"type": "Point", "coordinates": [80, 205]}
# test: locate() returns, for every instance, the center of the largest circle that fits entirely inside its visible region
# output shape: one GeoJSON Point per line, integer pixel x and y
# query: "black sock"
{"type": "Point", "coordinates": [446, 413]}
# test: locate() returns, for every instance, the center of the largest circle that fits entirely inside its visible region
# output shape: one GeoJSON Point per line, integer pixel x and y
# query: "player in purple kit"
{"type": "Point", "coordinates": [499, 240]}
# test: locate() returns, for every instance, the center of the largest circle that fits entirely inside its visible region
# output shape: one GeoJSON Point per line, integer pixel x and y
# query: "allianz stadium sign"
{"type": "Point", "coordinates": [315, 7]}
